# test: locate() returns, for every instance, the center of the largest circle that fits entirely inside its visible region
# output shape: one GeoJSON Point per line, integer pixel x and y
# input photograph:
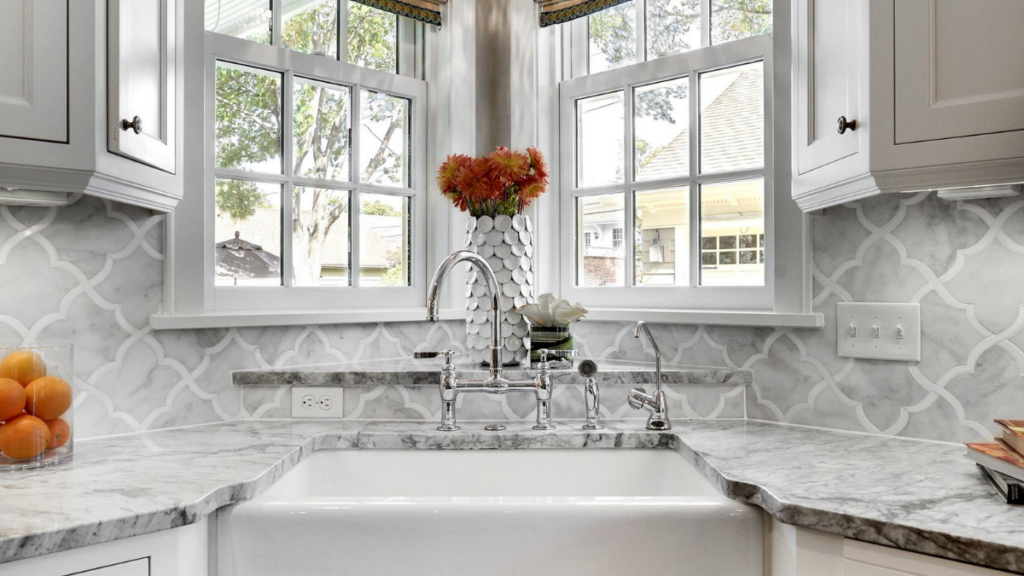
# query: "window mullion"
{"type": "Point", "coordinates": [287, 191]}
{"type": "Point", "coordinates": [695, 208]}
{"type": "Point", "coordinates": [705, 23]}
{"type": "Point", "coordinates": [641, 30]}
{"type": "Point", "coordinates": [277, 22]}
{"type": "Point", "coordinates": [343, 30]}
{"type": "Point", "coordinates": [353, 199]}
{"type": "Point", "coordinates": [629, 223]}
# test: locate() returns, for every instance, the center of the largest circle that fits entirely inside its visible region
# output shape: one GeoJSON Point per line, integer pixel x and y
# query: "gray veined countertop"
{"type": "Point", "coordinates": [427, 371]}
{"type": "Point", "coordinates": [917, 496]}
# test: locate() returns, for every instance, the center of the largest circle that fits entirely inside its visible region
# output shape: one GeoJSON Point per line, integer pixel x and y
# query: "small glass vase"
{"type": "Point", "coordinates": [37, 419]}
{"type": "Point", "coordinates": [550, 338]}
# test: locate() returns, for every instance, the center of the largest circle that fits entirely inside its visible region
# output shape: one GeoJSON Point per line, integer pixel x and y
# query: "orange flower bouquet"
{"type": "Point", "coordinates": [502, 183]}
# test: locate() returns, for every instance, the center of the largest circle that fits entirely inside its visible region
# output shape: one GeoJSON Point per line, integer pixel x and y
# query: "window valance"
{"type": "Point", "coordinates": [558, 11]}
{"type": "Point", "coordinates": [428, 11]}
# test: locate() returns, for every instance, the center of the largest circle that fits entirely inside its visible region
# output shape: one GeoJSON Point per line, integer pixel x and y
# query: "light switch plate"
{"type": "Point", "coordinates": [873, 330]}
{"type": "Point", "coordinates": [317, 402]}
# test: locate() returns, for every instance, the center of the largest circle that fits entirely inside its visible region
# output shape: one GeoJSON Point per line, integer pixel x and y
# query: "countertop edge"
{"type": "Point", "coordinates": [885, 533]}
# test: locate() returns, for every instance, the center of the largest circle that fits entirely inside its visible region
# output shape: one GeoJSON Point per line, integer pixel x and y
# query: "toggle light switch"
{"type": "Point", "coordinates": [895, 332]}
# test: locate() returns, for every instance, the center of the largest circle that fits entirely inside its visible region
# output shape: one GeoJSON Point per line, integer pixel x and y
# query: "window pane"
{"type": "Point", "coordinates": [372, 37]}
{"type": "Point", "coordinates": [732, 118]}
{"type": "Point", "coordinates": [735, 19]}
{"type": "Point", "coordinates": [320, 232]}
{"type": "Point", "coordinates": [383, 240]}
{"type": "Point", "coordinates": [603, 262]}
{"type": "Point", "coordinates": [731, 221]}
{"type": "Point", "coordinates": [662, 130]}
{"type": "Point", "coordinates": [320, 131]}
{"type": "Point", "coordinates": [310, 27]}
{"type": "Point", "coordinates": [672, 26]}
{"type": "Point", "coordinates": [248, 19]}
{"type": "Point", "coordinates": [248, 118]}
{"type": "Point", "coordinates": [612, 38]}
{"type": "Point", "coordinates": [383, 139]}
{"type": "Point", "coordinates": [600, 123]}
{"type": "Point", "coordinates": [663, 237]}
{"type": "Point", "coordinates": [247, 233]}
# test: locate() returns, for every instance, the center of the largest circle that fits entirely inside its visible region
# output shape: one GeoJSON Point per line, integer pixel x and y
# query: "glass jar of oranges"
{"type": "Point", "coordinates": [36, 395]}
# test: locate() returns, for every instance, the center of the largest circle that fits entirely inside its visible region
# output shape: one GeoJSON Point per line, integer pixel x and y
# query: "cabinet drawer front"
{"type": "Point", "coordinates": [34, 69]}
{"type": "Point", "coordinates": [828, 77]}
{"type": "Point", "coordinates": [959, 68]}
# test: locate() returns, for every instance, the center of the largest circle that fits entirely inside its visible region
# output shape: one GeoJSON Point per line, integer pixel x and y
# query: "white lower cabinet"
{"type": "Point", "coordinates": [177, 552]}
{"type": "Point", "coordinates": [792, 551]}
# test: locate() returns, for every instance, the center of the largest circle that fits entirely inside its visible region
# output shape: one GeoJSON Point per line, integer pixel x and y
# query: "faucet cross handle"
{"type": "Point", "coordinates": [434, 354]}
{"type": "Point", "coordinates": [544, 353]}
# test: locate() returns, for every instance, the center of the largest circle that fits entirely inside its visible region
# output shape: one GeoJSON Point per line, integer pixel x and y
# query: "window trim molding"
{"type": "Point", "coordinates": [689, 65]}
{"type": "Point", "coordinates": [189, 228]}
{"type": "Point", "coordinates": [791, 301]}
{"type": "Point", "coordinates": [290, 65]}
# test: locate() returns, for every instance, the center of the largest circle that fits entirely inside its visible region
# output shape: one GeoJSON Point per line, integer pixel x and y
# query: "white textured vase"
{"type": "Point", "coordinates": [506, 242]}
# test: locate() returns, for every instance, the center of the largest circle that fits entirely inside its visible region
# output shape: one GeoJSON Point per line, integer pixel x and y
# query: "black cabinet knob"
{"type": "Point", "coordinates": [843, 125]}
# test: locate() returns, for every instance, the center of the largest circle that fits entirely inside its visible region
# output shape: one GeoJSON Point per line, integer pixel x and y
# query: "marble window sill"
{"type": "Point", "coordinates": [751, 318]}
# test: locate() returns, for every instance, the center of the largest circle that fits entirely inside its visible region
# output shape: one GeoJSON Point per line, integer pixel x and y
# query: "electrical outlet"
{"type": "Point", "coordinates": [879, 331]}
{"type": "Point", "coordinates": [319, 402]}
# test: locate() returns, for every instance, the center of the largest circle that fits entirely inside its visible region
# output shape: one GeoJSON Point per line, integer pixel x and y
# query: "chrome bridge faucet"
{"type": "Point", "coordinates": [541, 385]}
{"type": "Point", "coordinates": [654, 403]}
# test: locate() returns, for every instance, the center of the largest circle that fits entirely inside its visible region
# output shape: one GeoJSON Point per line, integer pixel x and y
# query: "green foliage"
{"type": "Point", "coordinates": [613, 32]}
{"type": "Point", "coordinates": [314, 30]}
{"type": "Point", "coordinates": [735, 19]}
{"type": "Point", "coordinates": [249, 122]}
{"type": "Point", "coordinates": [239, 199]}
{"type": "Point", "coordinates": [248, 117]}
{"type": "Point", "coordinates": [645, 153]}
{"type": "Point", "coordinates": [371, 37]}
{"type": "Point", "coordinates": [394, 275]}
{"type": "Point", "coordinates": [378, 208]}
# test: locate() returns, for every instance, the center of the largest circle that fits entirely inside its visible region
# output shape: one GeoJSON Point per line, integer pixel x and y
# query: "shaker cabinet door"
{"type": "Point", "coordinates": [141, 74]}
{"type": "Point", "coordinates": [828, 80]}
{"type": "Point", "coordinates": [34, 69]}
{"type": "Point", "coordinates": [959, 68]}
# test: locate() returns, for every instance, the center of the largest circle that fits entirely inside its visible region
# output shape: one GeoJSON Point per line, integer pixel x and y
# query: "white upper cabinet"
{"type": "Point", "coordinates": [34, 69]}
{"type": "Point", "coordinates": [959, 68]}
{"type": "Point", "coordinates": [70, 72]}
{"type": "Point", "coordinates": [141, 79]}
{"type": "Point", "coordinates": [905, 95]}
{"type": "Point", "coordinates": [828, 80]}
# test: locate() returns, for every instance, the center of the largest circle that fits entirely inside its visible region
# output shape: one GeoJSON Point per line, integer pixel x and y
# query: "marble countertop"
{"type": "Point", "coordinates": [425, 372]}
{"type": "Point", "coordinates": [917, 496]}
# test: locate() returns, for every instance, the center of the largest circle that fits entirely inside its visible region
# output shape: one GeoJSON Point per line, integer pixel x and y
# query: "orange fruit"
{"type": "Point", "coordinates": [59, 433]}
{"type": "Point", "coordinates": [23, 366]}
{"type": "Point", "coordinates": [47, 397]}
{"type": "Point", "coordinates": [12, 398]}
{"type": "Point", "coordinates": [24, 437]}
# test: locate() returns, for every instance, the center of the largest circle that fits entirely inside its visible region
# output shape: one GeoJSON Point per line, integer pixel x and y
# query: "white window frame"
{"type": "Point", "coordinates": [291, 64]}
{"type": "Point", "coordinates": [785, 299]}
{"type": "Point", "coordinates": [689, 65]}
{"type": "Point", "coordinates": [190, 297]}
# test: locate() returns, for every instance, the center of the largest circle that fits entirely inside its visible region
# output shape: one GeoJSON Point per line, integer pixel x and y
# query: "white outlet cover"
{"type": "Point", "coordinates": [319, 394]}
{"type": "Point", "coordinates": [888, 317]}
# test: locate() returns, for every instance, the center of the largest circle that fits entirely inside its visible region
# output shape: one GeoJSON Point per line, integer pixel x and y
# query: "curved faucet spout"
{"type": "Point", "coordinates": [641, 328]}
{"type": "Point", "coordinates": [484, 269]}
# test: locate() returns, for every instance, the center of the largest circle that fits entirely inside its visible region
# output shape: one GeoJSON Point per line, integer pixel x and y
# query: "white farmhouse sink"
{"type": "Point", "coordinates": [496, 512]}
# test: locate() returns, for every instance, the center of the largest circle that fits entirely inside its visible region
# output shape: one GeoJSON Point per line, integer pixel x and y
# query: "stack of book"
{"type": "Point", "coordinates": [1002, 462]}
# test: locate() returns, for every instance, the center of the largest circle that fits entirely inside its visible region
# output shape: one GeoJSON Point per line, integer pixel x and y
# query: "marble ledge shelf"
{"type": "Point", "coordinates": [408, 372]}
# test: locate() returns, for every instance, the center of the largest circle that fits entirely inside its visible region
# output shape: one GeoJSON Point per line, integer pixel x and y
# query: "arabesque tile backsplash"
{"type": "Point", "coordinates": [92, 273]}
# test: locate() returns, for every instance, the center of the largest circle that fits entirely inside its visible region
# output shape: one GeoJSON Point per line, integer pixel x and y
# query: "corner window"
{"type": "Point", "coordinates": [672, 157]}
{"type": "Point", "coordinates": [316, 157]}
